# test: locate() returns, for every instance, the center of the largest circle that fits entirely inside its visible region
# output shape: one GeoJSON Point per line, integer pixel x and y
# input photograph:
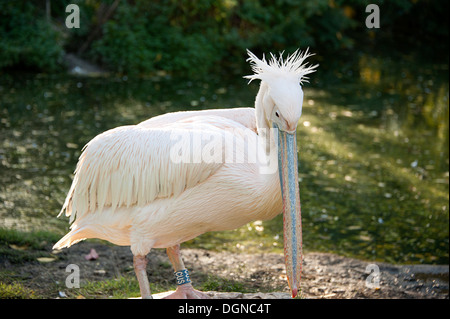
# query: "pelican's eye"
{"type": "Point", "coordinates": [277, 114]}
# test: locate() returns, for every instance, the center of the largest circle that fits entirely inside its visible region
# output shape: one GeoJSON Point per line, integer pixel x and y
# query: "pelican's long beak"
{"type": "Point", "coordinates": [288, 171]}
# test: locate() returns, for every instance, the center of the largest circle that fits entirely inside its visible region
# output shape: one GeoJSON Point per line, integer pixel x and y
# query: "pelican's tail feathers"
{"type": "Point", "coordinates": [71, 238]}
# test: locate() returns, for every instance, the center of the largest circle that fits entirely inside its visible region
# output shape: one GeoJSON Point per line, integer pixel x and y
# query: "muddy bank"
{"type": "Point", "coordinates": [325, 276]}
{"type": "Point", "coordinates": [259, 275]}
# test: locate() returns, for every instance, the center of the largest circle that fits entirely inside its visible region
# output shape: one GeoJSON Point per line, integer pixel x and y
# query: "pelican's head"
{"type": "Point", "coordinates": [279, 106]}
{"type": "Point", "coordinates": [281, 94]}
{"type": "Point", "coordinates": [283, 103]}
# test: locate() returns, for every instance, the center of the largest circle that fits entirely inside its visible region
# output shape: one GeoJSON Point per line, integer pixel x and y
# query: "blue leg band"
{"type": "Point", "coordinates": [182, 277]}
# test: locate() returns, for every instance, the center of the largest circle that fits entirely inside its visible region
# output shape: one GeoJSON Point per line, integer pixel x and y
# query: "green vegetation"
{"type": "Point", "coordinates": [25, 41]}
{"type": "Point", "coordinates": [15, 291]}
{"type": "Point", "coordinates": [18, 247]}
{"type": "Point", "coordinates": [192, 37]}
{"type": "Point", "coordinates": [33, 240]}
{"type": "Point", "coordinates": [214, 283]}
{"type": "Point", "coordinates": [117, 288]}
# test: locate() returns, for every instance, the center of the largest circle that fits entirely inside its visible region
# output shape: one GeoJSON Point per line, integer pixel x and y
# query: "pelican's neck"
{"type": "Point", "coordinates": [261, 119]}
{"type": "Point", "coordinates": [262, 124]}
{"type": "Point", "coordinates": [268, 183]}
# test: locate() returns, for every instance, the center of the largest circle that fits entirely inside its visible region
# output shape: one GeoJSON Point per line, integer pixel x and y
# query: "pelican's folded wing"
{"type": "Point", "coordinates": [133, 165]}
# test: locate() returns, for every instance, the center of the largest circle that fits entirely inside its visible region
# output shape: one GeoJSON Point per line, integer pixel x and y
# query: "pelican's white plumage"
{"type": "Point", "coordinates": [126, 173]}
{"type": "Point", "coordinates": [128, 189]}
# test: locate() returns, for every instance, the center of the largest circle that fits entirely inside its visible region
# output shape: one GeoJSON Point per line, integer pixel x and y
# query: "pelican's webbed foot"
{"type": "Point", "coordinates": [186, 291]}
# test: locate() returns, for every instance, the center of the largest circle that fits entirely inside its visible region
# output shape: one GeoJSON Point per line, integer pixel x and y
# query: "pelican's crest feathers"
{"type": "Point", "coordinates": [292, 67]}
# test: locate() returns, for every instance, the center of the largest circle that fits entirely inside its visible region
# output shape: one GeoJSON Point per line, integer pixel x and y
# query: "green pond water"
{"type": "Point", "coordinates": [373, 150]}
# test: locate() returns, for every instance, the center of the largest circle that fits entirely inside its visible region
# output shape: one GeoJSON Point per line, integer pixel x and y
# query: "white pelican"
{"type": "Point", "coordinates": [175, 176]}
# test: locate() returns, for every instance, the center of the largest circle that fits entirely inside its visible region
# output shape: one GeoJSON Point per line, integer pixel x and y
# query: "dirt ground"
{"type": "Point", "coordinates": [324, 275]}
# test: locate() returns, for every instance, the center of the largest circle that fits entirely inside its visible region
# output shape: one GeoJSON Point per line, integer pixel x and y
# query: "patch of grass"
{"type": "Point", "coordinates": [33, 240]}
{"type": "Point", "coordinates": [369, 190]}
{"type": "Point", "coordinates": [12, 286]}
{"type": "Point", "coordinates": [215, 283]}
{"type": "Point", "coordinates": [18, 247]}
{"type": "Point", "coordinates": [121, 287]}
{"type": "Point", "coordinates": [15, 291]}
{"type": "Point", "coordinates": [254, 237]}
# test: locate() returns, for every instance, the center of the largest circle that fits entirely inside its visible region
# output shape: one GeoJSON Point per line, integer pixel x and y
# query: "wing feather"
{"type": "Point", "coordinates": [131, 165]}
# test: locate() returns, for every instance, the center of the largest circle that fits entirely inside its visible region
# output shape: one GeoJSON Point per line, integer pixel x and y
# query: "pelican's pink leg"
{"type": "Point", "coordinates": [140, 267]}
{"type": "Point", "coordinates": [185, 291]}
